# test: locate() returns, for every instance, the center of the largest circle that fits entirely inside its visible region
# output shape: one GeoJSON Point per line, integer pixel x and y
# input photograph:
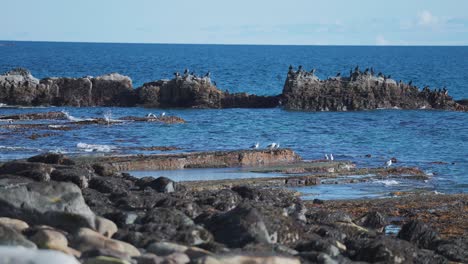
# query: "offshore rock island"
{"type": "Point", "coordinates": [361, 90]}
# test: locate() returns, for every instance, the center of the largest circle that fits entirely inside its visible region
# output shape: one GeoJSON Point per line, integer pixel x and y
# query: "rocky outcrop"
{"type": "Point", "coordinates": [19, 87]}
{"type": "Point", "coordinates": [196, 92]}
{"type": "Point", "coordinates": [188, 91]}
{"type": "Point", "coordinates": [214, 159]}
{"type": "Point", "coordinates": [302, 91]}
{"type": "Point", "coordinates": [359, 91]}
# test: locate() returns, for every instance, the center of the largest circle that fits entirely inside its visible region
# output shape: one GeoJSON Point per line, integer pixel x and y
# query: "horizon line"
{"type": "Point", "coordinates": [237, 44]}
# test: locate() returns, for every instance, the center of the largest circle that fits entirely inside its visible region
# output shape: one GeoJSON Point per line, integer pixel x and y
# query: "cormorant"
{"type": "Point", "coordinates": [338, 74]}
{"type": "Point", "coordinates": [410, 83]}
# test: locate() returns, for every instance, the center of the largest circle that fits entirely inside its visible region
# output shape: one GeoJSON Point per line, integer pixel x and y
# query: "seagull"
{"type": "Point", "coordinates": [277, 146]}
{"type": "Point", "coordinates": [388, 163]}
{"type": "Point", "coordinates": [255, 146]}
{"type": "Point", "coordinates": [326, 157]}
{"type": "Point", "coordinates": [331, 157]}
{"type": "Point", "coordinates": [163, 114]}
{"type": "Point", "coordinates": [271, 146]}
{"type": "Point", "coordinates": [150, 115]}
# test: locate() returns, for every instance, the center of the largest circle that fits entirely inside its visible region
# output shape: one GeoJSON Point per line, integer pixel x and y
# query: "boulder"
{"type": "Point", "coordinates": [373, 220]}
{"type": "Point", "coordinates": [418, 232]}
{"type": "Point", "coordinates": [165, 248]}
{"type": "Point", "coordinates": [387, 250]}
{"type": "Point", "coordinates": [251, 259]}
{"type": "Point", "coordinates": [149, 258]}
{"type": "Point", "coordinates": [49, 238]}
{"type": "Point", "coordinates": [16, 224]}
{"type": "Point", "coordinates": [160, 184]}
{"type": "Point", "coordinates": [105, 260]}
{"type": "Point", "coordinates": [103, 169]}
{"type": "Point", "coordinates": [20, 255]}
{"type": "Point", "coordinates": [10, 237]}
{"type": "Point", "coordinates": [105, 226]}
{"type": "Point", "coordinates": [165, 224]}
{"type": "Point", "coordinates": [77, 175]}
{"type": "Point", "coordinates": [454, 250]}
{"type": "Point", "coordinates": [35, 171]}
{"type": "Point", "coordinates": [58, 204]}
{"type": "Point", "coordinates": [52, 158]}
{"type": "Point", "coordinates": [87, 239]}
{"type": "Point", "coordinates": [239, 227]}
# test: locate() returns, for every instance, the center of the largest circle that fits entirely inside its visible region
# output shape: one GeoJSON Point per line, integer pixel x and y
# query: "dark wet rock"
{"type": "Point", "coordinates": [182, 202]}
{"type": "Point", "coordinates": [160, 184]}
{"type": "Point", "coordinates": [77, 175]}
{"type": "Point", "coordinates": [373, 220]}
{"type": "Point", "coordinates": [98, 202]}
{"type": "Point", "coordinates": [124, 218]}
{"type": "Point", "coordinates": [164, 224]}
{"type": "Point", "coordinates": [10, 237]}
{"type": "Point", "coordinates": [36, 116]}
{"type": "Point", "coordinates": [239, 227]}
{"type": "Point", "coordinates": [103, 169]}
{"type": "Point", "coordinates": [317, 201]}
{"type": "Point", "coordinates": [454, 250]}
{"type": "Point", "coordinates": [223, 200]}
{"type": "Point", "coordinates": [463, 102]}
{"type": "Point", "coordinates": [138, 200]}
{"type": "Point", "coordinates": [388, 250]}
{"type": "Point", "coordinates": [326, 217]}
{"type": "Point", "coordinates": [57, 204]}
{"type": "Point", "coordinates": [319, 244]}
{"type": "Point", "coordinates": [245, 100]}
{"type": "Point", "coordinates": [419, 233]}
{"type": "Point", "coordinates": [110, 185]}
{"type": "Point", "coordinates": [359, 91]}
{"type": "Point", "coordinates": [35, 171]}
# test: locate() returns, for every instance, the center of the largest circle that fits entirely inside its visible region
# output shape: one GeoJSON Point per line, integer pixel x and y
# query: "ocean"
{"type": "Point", "coordinates": [416, 138]}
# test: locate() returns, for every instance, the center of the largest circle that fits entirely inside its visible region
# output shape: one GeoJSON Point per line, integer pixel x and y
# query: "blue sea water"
{"type": "Point", "coordinates": [415, 138]}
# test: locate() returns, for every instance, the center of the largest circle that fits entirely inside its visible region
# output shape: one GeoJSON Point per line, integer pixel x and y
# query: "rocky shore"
{"type": "Point", "coordinates": [55, 209]}
{"type": "Point", "coordinates": [361, 90]}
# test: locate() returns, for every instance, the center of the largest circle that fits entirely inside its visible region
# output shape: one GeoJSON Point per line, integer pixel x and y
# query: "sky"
{"type": "Point", "coordinates": [301, 22]}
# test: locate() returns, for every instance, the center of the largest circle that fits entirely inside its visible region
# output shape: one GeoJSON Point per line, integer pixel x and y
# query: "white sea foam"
{"type": "Point", "coordinates": [388, 182]}
{"type": "Point", "coordinates": [12, 148]}
{"type": "Point", "coordinates": [71, 118]}
{"type": "Point", "coordinates": [94, 147]}
{"type": "Point", "coordinates": [56, 126]}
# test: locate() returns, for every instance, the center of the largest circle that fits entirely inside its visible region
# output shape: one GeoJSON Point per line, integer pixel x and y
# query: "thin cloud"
{"type": "Point", "coordinates": [381, 41]}
{"type": "Point", "coordinates": [426, 18]}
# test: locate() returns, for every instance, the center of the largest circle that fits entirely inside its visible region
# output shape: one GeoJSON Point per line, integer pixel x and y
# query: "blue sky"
{"type": "Point", "coordinates": [301, 22]}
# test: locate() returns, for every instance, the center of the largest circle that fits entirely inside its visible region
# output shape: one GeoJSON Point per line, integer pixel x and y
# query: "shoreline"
{"type": "Point", "coordinates": [87, 209]}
